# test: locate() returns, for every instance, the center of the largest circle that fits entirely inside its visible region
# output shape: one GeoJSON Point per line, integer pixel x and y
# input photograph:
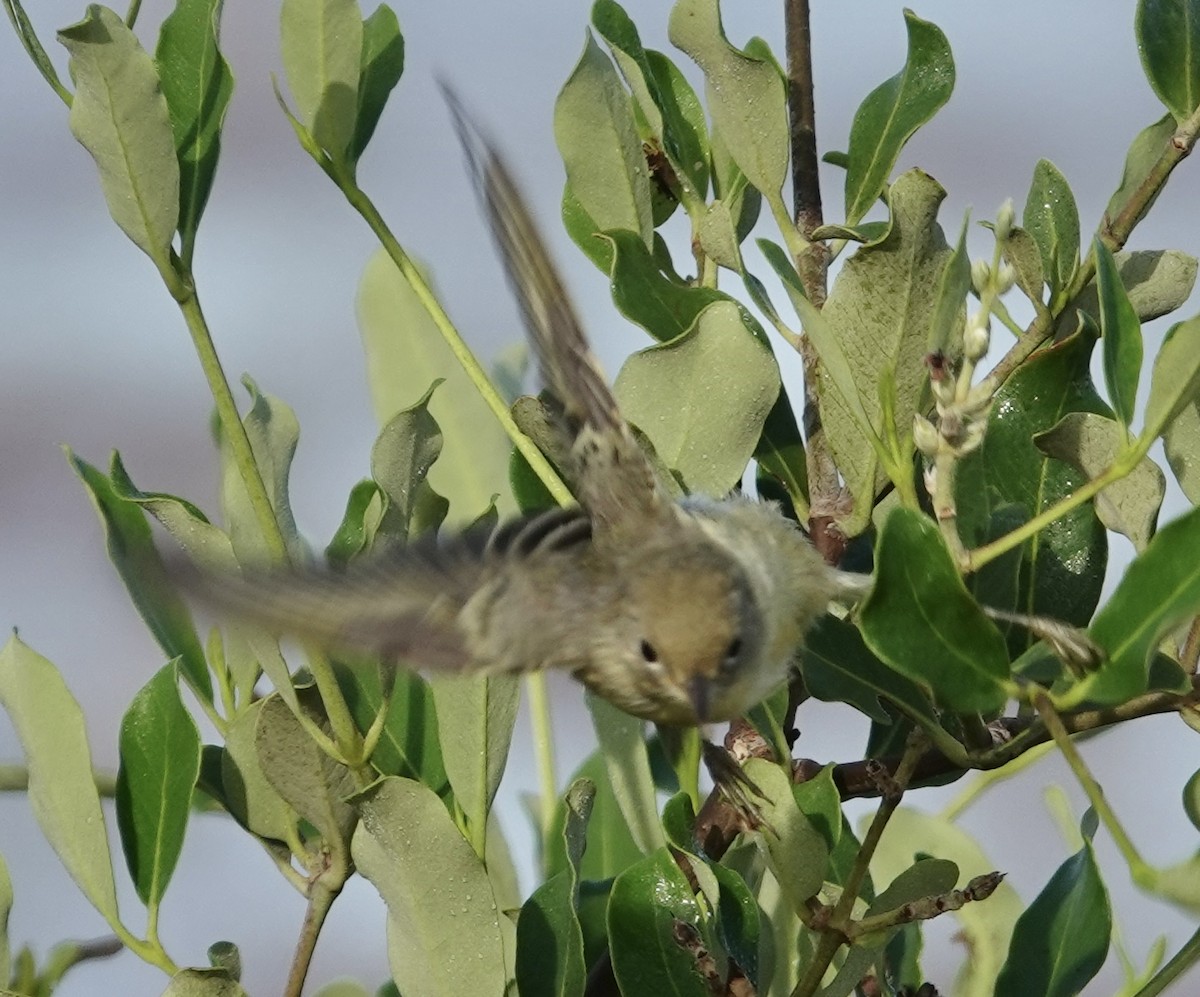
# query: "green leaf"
{"type": "Point", "coordinates": [623, 747]}
{"type": "Point", "coordinates": [406, 353]}
{"type": "Point", "coordinates": [879, 314]}
{"type": "Point", "coordinates": [203, 983]}
{"type": "Point", "coordinates": [445, 937]}
{"type": "Point", "coordinates": [132, 551]}
{"type": "Point", "coordinates": [548, 929]}
{"type": "Point", "coordinates": [647, 902]}
{"type": "Point", "coordinates": [1052, 219]}
{"type": "Point", "coordinates": [250, 799]}
{"type": "Point", "coordinates": [795, 850]}
{"type": "Point", "coordinates": [738, 922]}
{"type": "Point", "coordinates": [1160, 591]}
{"type": "Point", "coordinates": [1168, 34]}
{"type": "Point", "coordinates": [920, 619]}
{"type": "Point", "coordinates": [380, 68]}
{"type": "Point", "coordinates": [354, 533]}
{"type": "Point", "coordinates": [1061, 570]}
{"type": "Point", "coordinates": [610, 846]}
{"type": "Point", "coordinates": [893, 111]}
{"type": "Point", "coordinates": [596, 135]}
{"type": "Point", "coordinates": [1122, 335]}
{"type": "Point", "coordinates": [745, 96]}
{"type": "Point", "coordinates": [1175, 383]}
{"type": "Point", "coordinates": [949, 312]}
{"type": "Point", "coordinates": [1022, 253]}
{"type": "Point", "coordinates": [703, 398]}
{"type": "Point", "coordinates": [1144, 152]}
{"type": "Point", "coordinates": [476, 714]}
{"type": "Point", "coordinates": [6, 901]}
{"type": "Point", "coordinates": [322, 47]}
{"type": "Point", "coordinates": [409, 744]}
{"type": "Point", "coordinates": [307, 779]}
{"type": "Point", "coordinates": [1092, 444]}
{"type": "Point", "coordinates": [197, 84]}
{"type": "Point", "coordinates": [273, 431]}
{"type": "Point", "coordinates": [62, 792]}
{"type": "Point", "coordinates": [1062, 940]}
{"type": "Point", "coordinates": [1182, 445]}
{"type": "Point", "coordinates": [160, 760]}
{"type": "Point", "coordinates": [1191, 799]}
{"type": "Point", "coordinates": [1157, 281]}
{"type": "Point", "coordinates": [120, 116]}
{"type": "Point", "coordinates": [839, 667]}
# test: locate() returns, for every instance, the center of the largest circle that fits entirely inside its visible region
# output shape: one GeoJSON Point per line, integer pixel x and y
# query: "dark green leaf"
{"type": "Point", "coordinates": [1145, 150]}
{"type": "Point", "coordinates": [1191, 799]}
{"type": "Point", "coordinates": [646, 902]}
{"type": "Point", "coordinates": [550, 960]}
{"type": "Point", "coordinates": [120, 116]}
{"type": "Point", "coordinates": [597, 137]}
{"type": "Point", "coordinates": [1160, 590]}
{"type": "Point", "coordinates": [400, 461]}
{"type": "Point", "coordinates": [62, 792]}
{"type": "Point", "coordinates": [381, 66]}
{"type": "Point", "coordinates": [132, 551]}
{"type": "Point", "coordinates": [1091, 444]}
{"type": "Point", "coordinates": [160, 760]}
{"type": "Point", "coordinates": [893, 111]}
{"type": "Point", "coordinates": [738, 920]}
{"type": "Point", "coordinates": [1062, 940]}
{"type": "Point", "coordinates": [1052, 219]}
{"type": "Point", "coordinates": [820, 802]}
{"type": "Point", "coordinates": [780, 452]}
{"type": "Point", "coordinates": [920, 619]}
{"type": "Point", "coordinates": [679, 822]}
{"type": "Point", "coordinates": [1008, 481]}
{"type": "Point", "coordinates": [1022, 253]}
{"type": "Point", "coordinates": [1168, 34]}
{"type": "Point", "coordinates": [1122, 334]}
{"type": "Point", "coordinates": [353, 534]}
{"type": "Point", "coordinates": [197, 83]}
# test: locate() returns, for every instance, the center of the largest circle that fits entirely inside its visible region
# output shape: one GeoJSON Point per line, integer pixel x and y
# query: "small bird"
{"type": "Point", "coordinates": [681, 612]}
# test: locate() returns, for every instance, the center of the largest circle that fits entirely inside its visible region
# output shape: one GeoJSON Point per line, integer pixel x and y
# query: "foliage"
{"type": "Point", "coordinates": [984, 496]}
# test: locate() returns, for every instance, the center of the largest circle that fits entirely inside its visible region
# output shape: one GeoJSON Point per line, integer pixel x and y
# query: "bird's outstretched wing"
{"type": "Point", "coordinates": [614, 481]}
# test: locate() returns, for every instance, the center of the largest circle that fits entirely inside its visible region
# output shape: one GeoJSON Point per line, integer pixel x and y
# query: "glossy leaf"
{"type": "Point", "coordinates": [409, 744]}
{"type": "Point", "coordinates": [380, 68]}
{"type": "Point", "coordinates": [1091, 444]}
{"type": "Point", "coordinates": [444, 932]}
{"type": "Point", "coordinates": [702, 398]}
{"type": "Point", "coordinates": [548, 929]}
{"type": "Point", "coordinates": [839, 667]}
{"type": "Point", "coordinates": [1022, 253]}
{"type": "Point", "coordinates": [406, 353]}
{"type": "Point", "coordinates": [647, 900]}
{"type": "Point", "coordinates": [1061, 570]}
{"type": "Point", "coordinates": [132, 551]}
{"type": "Point", "coordinates": [1145, 150]}
{"type": "Point", "coordinates": [355, 531]}
{"type": "Point", "coordinates": [62, 791]}
{"type": "Point", "coordinates": [879, 312]}
{"type": "Point", "coordinates": [623, 747]}
{"type": "Point", "coordinates": [893, 111]}
{"type": "Point", "coordinates": [745, 95]}
{"type": "Point", "coordinates": [311, 782]}
{"type": "Point", "coordinates": [1175, 383]}
{"type": "Point", "coordinates": [596, 135]}
{"type": "Point", "coordinates": [1168, 34]}
{"type": "Point", "coordinates": [1122, 335]}
{"type": "Point", "coordinates": [120, 116]}
{"type": "Point", "coordinates": [1062, 940]}
{"type": "Point", "coordinates": [920, 619]}
{"type": "Point", "coordinates": [1052, 218]}
{"type": "Point", "coordinates": [1160, 590]}
{"type": "Point", "coordinates": [197, 83]}
{"type": "Point", "coordinates": [476, 714]}
{"type": "Point", "coordinates": [738, 921]}
{"type": "Point", "coordinates": [795, 850]}
{"type": "Point", "coordinates": [160, 760]}
{"type": "Point", "coordinates": [322, 44]}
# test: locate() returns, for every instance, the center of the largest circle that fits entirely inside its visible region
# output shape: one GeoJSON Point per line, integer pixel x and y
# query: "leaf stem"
{"type": "Point", "coordinates": [1176, 966]}
{"type": "Point", "coordinates": [321, 896]}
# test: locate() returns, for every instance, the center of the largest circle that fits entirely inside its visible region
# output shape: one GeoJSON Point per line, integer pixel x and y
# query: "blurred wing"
{"type": "Point", "coordinates": [402, 606]}
{"type": "Point", "coordinates": [615, 482]}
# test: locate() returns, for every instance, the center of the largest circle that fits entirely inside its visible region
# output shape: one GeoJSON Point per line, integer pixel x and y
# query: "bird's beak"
{"type": "Point", "coordinates": [699, 691]}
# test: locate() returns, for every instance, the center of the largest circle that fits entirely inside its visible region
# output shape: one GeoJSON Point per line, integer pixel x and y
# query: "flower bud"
{"type": "Point", "coordinates": [1005, 218]}
{"type": "Point", "coordinates": [981, 275]}
{"type": "Point", "coordinates": [925, 436]}
{"type": "Point", "coordinates": [976, 339]}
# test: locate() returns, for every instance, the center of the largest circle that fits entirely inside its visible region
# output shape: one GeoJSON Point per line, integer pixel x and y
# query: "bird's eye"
{"type": "Point", "coordinates": [649, 654]}
{"type": "Point", "coordinates": [732, 652]}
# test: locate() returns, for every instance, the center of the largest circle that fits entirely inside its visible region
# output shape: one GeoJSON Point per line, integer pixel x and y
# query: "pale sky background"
{"type": "Point", "coordinates": [93, 353]}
